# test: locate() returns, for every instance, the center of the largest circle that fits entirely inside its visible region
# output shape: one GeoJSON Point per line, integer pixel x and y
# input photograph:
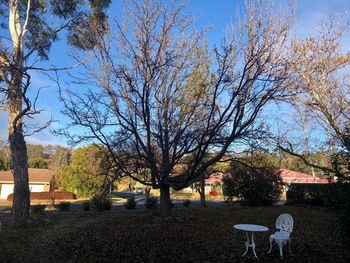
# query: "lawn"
{"type": "Point", "coordinates": [205, 235]}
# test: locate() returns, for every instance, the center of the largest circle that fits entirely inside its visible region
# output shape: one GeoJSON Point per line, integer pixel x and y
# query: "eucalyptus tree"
{"type": "Point", "coordinates": [156, 110]}
{"type": "Point", "coordinates": [28, 30]}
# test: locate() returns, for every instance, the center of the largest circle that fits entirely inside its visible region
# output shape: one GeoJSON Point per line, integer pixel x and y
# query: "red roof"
{"type": "Point", "coordinates": [35, 175]}
{"type": "Point", "coordinates": [289, 176]}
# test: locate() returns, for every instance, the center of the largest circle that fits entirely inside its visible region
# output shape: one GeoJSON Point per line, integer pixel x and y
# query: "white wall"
{"type": "Point", "coordinates": [7, 189]}
{"type": "Point", "coordinates": [36, 187]}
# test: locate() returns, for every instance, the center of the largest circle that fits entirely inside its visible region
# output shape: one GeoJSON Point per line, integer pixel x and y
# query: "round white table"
{"type": "Point", "coordinates": [252, 229]}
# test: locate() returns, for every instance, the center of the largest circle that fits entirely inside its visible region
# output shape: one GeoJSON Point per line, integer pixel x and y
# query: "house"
{"type": "Point", "coordinates": [39, 181]}
{"type": "Point", "coordinates": [288, 177]}
{"type": "Point", "coordinates": [215, 179]}
{"type": "Point", "coordinates": [292, 177]}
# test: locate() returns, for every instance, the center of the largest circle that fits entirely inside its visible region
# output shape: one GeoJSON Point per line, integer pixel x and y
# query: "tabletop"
{"type": "Point", "coordinates": [251, 227]}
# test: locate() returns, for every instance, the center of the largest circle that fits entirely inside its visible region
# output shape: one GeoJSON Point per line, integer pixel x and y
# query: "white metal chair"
{"type": "Point", "coordinates": [284, 225]}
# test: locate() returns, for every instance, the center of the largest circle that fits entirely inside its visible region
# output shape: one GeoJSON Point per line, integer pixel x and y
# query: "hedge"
{"type": "Point", "coordinates": [57, 195]}
{"type": "Point", "coordinates": [315, 194]}
{"type": "Point", "coordinates": [335, 196]}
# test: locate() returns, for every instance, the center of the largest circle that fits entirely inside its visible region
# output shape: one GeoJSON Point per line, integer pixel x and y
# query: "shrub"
{"type": "Point", "coordinates": [310, 194]}
{"type": "Point", "coordinates": [86, 205]}
{"type": "Point", "coordinates": [130, 203]}
{"type": "Point", "coordinates": [214, 193]}
{"type": "Point", "coordinates": [151, 203]}
{"type": "Point", "coordinates": [338, 199]}
{"type": "Point", "coordinates": [63, 206]}
{"type": "Point", "coordinates": [171, 204]}
{"type": "Point", "coordinates": [186, 203]}
{"type": "Point", "coordinates": [38, 209]}
{"type": "Point", "coordinates": [255, 186]}
{"type": "Point", "coordinates": [101, 203]}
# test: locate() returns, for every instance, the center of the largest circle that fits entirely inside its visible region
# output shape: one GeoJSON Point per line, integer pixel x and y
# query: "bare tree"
{"type": "Point", "coordinates": [147, 108]}
{"type": "Point", "coordinates": [320, 85]}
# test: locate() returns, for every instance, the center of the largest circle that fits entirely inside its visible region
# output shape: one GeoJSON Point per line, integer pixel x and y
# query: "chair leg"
{"type": "Point", "coordinates": [271, 240]}
{"type": "Point", "coordinates": [289, 244]}
{"type": "Point", "coordinates": [280, 245]}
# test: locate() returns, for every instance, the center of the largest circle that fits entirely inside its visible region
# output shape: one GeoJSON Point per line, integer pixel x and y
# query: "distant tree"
{"type": "Point", "coordinates": [2, 165]}
{"type": "Point", "coordinates": [61, 158]}
{"type": "Point", "coordinates": [28, 29]}
{"type": "Point", "coordinates": [291, 162]}
{"type": "Point", "coordinates": [37, 163]}
{"type": "Point", "coordinates": [142, 109]}
{"type": "Point", "coordinates": [5, 160]}
{"type": "Point", "coordinates": [35, 151]}
{"type": "Point", "coordinates": [89, 172]}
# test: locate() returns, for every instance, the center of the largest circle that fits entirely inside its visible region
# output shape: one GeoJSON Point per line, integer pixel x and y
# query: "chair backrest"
{"type": "Point", "coordinates": [285, 223]}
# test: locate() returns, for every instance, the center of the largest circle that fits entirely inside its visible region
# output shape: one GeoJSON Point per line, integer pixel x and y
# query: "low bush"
{"type": "Point", "coordinates": [63, 206]}
{"type": "Point", "coordinates": [86, 205]}
{"type": "Point", "coordinates": [130, 203]}
{"type": "Point", "coordinates": [254, 186]}
{"type": "Point", "coordinates": [151, 203]}
{"type": "Point", "coordinates": [38, 209]}
{"type": "Point", "coordinates": [214, 193]}
{"type": "Point", "coordinates": [186, 203]}
{"type": "Point", "coordinates": [101, 203]}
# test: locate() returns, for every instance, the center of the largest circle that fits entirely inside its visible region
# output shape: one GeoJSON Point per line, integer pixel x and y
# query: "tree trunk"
{"type": "Point", "coordinates": [19, 158]}
{"type": "Point", "coordinates": [165, 209]}
{"type": "Point", "coordinates": [21, 194]}
{"type": "Point", "coordinates": [202, 193]}
{"type": "Point", "coordinates": [147, 192]}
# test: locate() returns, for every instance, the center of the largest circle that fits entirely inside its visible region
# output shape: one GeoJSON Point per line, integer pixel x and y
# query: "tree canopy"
{"type": "Point", "coordinates": [88, 173]}
{"type": "Point", "coordinates": [157, 108]}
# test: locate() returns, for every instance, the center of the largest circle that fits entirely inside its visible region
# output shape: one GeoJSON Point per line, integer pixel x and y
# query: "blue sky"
{"type": "Point", "coordinates": [219, 13]}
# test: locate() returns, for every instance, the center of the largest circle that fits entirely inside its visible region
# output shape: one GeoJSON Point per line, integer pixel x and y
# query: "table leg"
{"type": "Point", "coordinates": [246, 245]}
{"type": "Point", "coordinates": [253, 245]}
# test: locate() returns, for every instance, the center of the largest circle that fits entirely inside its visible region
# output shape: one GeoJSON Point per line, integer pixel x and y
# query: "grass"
{"type": "Point", "coordinates": [206, 235]}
